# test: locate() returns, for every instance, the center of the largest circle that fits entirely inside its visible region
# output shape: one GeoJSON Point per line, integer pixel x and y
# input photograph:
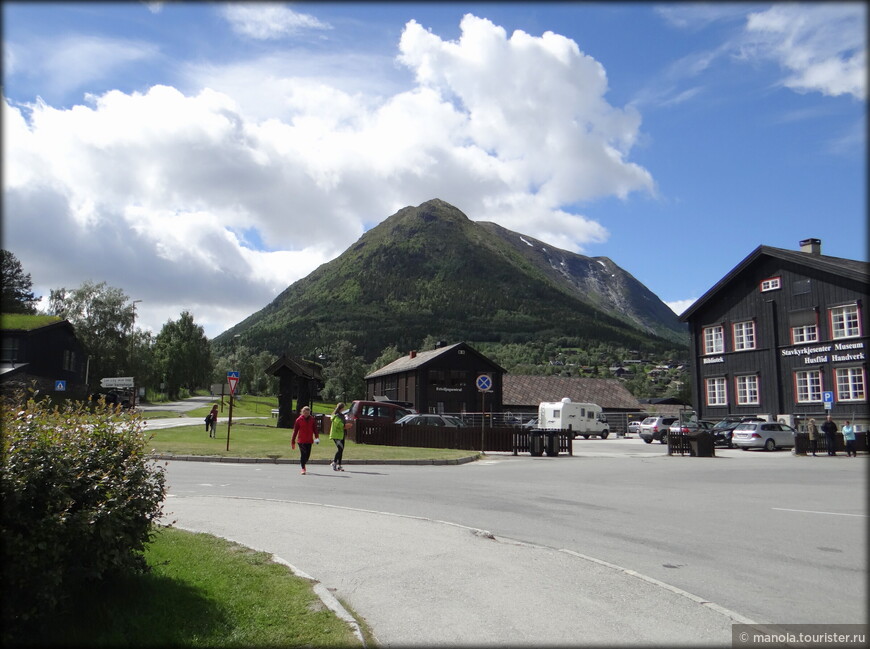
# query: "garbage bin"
{"type": "Point", "coordinates": [702, 445]}
{"type": "Point", "coordinates": [536, 443]}
{"type": "Point", "coordinates": [552, 444]}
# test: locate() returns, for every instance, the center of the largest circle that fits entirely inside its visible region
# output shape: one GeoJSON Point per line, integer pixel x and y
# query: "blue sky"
{"type": "Point", "coordinates": [204, 156]}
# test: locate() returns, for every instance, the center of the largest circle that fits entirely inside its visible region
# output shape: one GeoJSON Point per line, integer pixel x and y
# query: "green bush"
{"type": "Point", "coordinates": [79, 497]}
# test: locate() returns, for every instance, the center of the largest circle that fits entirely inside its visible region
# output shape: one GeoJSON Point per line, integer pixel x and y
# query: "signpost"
{"type": "Point", "coordinates": [117, 382]}
{"type": "Point", "coordinates": [828, 400]}
{"type": "Point", "coordinates": [233, 380]}
{"type": "Point", "coordinates": [484, 385]}
{"type": "Point", "coordinates": [60, 386]}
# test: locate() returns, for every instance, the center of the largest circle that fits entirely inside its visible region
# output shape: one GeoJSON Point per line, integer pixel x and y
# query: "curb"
{"type": "Point", "coordinates": [278, 460]}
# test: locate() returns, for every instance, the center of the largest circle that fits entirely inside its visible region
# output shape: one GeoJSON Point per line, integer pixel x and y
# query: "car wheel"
{"type": "Point", "coordinates": [586, 437]}
{"type": "Point", "coordinates": [664, 438]}
{"type": "Point", "coordinates": [745, 448]}
{"type": "Point", "coordinates": [646, 440]}
{"type": "Point", "coordinates": [605, 434]}
{"type": "Point", "coordinates": [770, 445]}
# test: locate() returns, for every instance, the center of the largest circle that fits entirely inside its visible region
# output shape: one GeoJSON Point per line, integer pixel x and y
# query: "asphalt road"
{"type": "Point", "coordinates": [619, 544]}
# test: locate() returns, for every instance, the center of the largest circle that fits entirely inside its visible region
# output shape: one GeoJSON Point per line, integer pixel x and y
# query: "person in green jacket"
{"type": "Point", "coordinates": [336, 434]}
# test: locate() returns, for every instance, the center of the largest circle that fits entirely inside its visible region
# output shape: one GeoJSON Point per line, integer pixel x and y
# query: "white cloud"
{"type": "Point", "coordinates": [268, 21]}
{"type": "Point", "coordinates": [160, 192]}
{"type": "Point", "coordinates": [824, 46]}
{"type": "Point", "coordinates": [679, 306]}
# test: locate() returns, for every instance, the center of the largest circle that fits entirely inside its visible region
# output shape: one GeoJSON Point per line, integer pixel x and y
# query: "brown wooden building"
{"type": "Point", "coordinates": [440, 380]}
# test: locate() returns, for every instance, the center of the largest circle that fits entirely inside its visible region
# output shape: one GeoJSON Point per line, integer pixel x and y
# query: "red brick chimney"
{"type": "Point", "coordinates": [413, 353]}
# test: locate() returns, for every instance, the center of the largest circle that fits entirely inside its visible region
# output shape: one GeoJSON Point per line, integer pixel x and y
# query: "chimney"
{"type": "Point", "coordinates": [811, 246]}
{"type": "Point", "coordinates": [413, 353]}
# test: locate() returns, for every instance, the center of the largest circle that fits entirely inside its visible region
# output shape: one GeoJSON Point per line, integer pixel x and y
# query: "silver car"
{"type": "Point", "coordinates": [763, 434]}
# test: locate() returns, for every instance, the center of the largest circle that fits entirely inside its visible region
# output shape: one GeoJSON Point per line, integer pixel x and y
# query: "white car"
{"type": "Point", "coordinates": [763, 434]}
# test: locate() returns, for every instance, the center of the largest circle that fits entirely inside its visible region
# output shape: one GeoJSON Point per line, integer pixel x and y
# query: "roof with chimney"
{"type": "Point", "coordinates": [529, 391]}
{"type": "Point", "coordinates": [809, 256]}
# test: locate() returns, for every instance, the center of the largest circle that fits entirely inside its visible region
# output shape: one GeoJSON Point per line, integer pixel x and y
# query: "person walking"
{"type": "Point", "coordinates": [829, 428]}
{"type": "Point", "coordinates": [813, 432]}
{"type": "Point", "coordinates": [306, 433]}
{"type": "Point", "coordinates": [336, 434]}
{"type": "Point", "coordinates": [849, 438]}
{"type": "Point", "coordinates": [211, 421]}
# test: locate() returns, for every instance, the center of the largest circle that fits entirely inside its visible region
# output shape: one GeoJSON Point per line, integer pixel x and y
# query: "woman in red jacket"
{"type": "Point", "coordinates": [305, 432]}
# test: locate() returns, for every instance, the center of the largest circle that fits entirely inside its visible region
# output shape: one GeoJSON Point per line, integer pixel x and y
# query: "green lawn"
{"type": "Point", "coordinates": [262, 438]}
{"type": "Point", "coordinates": [202, 591]}
{"type": "Point", "coordinates": [265, 440]}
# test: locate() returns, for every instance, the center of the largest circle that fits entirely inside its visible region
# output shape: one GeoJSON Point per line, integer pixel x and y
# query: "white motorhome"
{"type": "Point", "coordinates": [584, 419]}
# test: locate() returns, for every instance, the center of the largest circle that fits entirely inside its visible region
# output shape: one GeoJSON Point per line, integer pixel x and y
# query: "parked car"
{"type": "Point", "coordinates": [377, 412]}
{"type": "Point", "coordinates": [690, 426]}
{"type": "Point", "coordinates": [431, 420]}
{"type": "Point", "coordinates": [724, 429]}
{"type": "Point", "coordinates": [763, 434]}
{"type": "Point", "coordinates": [656, 428]}
{"type": "Point", "coordinates": [634, 427]}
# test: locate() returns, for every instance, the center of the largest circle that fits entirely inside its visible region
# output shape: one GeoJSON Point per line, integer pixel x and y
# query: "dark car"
{"type": "Point", "coordinates": [723, 431]}
{"type": "Point", "coordinates": [431, 420]}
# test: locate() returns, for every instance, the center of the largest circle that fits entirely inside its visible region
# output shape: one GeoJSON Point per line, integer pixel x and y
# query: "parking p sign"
{"type": "Point", "coordinates": [828, 400]}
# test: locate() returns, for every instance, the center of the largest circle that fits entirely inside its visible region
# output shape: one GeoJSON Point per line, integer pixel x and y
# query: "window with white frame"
{"type": "Point", "coordinates": [808, 386]}
{"type": "Point", "coordinates": [744, 335]}
{"type": "Point", "coordinates": [771, 284]}
{"type": "Point", "coordinates": [717, 393]}
{"type": "Point", "coordinates": [845, 322]}
{"type": "Point", "coordinates": [804, 326]}
{"type": "Point", "coordinates": [850, 384]}
{"type": "Point", "coordinates": [747, 390]}
{"type": "Point", "coordinates": [714, 340]}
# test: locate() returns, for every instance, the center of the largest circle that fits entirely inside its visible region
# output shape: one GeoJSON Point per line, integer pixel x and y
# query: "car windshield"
{"type": "Point", "coordinates": [649, 420]}
{"type": "Point", "coordinates": [745, 427]}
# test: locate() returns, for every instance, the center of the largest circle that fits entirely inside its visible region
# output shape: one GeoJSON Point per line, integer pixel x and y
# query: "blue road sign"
{"type": "Point", "coordinates": [484, 383]}
{"type": "Point", "coordinates": [828, 399]}
{"type": "Point", "coordinates": [60, 386]}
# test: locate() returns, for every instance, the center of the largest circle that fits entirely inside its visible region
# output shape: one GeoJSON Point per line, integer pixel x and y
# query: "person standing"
{"type": "Point", "coordinates": [211, 421]}
{"type": "Point", "coordinates": [306, 433]}
{"type": "Point", "coordinates": [849, 438]}
{"type": "Point", "coordinates": [813, 432]}
{"type": "Point", "coordinates": [829, 428]}
{"type": "Point", "coordinates": [336, 434]}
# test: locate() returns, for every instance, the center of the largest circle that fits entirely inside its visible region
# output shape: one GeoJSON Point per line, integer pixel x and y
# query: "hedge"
{"type": "Point", "coordinates": [79, 496]}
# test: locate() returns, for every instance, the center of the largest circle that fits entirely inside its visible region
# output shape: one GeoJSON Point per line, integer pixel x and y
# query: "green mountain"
{"type": "Point", "coordinates": [430, 270]}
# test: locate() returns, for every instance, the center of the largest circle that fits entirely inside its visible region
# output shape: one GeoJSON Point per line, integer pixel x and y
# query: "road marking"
{"type": "Point", "coordinates": [810, 511]}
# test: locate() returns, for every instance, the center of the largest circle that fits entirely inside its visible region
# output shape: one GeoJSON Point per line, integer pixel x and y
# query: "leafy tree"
{"type": "Point", "coordinates": [17, 296]}
{"type": "Point", "coordinates": [387, 356]}
{"type": "Point", "coordinates": [344, 375]}
{"type": "Point", "coordinates": [183, 355]}
{"type": "Point", "coordinates": [103, 318]}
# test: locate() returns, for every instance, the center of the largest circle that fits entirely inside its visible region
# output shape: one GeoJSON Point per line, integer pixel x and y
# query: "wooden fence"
{"type": "Point", "coordinates": [501, 438]}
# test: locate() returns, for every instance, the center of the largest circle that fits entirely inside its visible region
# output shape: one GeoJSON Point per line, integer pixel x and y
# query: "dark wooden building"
{"type": "Point", "coordinates": [42, 352]}
{"type": "Point", "coordinates": [781, 334]}
{"type": "Point", "coordinates": [297, 379]}
{"type": "Point", "coordinates": [440, 380]}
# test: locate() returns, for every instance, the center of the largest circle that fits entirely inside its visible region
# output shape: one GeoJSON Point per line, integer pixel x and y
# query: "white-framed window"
{"type": "Point", "coordinates": [747, 390]}
{"type": "Point", "coordinates": [845, 322]}
{"type": "Point", "coordinates": [805, 334]}
{"type": "Point", "coordinates": [714, 339]}
{"type": "Point", "coordinates": [744, 335]}
{"type": "Point", "coordinates": [771, 284]}
{"type": "Point", "coordinates": [717, 392]}
{"type": "Point", "coordinates": [851, 384]}
{"type": "Point", "coordinates": [808, 386]}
